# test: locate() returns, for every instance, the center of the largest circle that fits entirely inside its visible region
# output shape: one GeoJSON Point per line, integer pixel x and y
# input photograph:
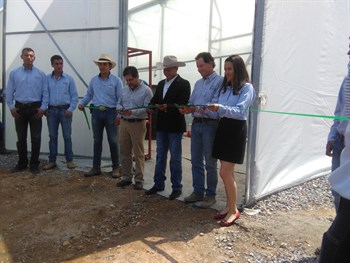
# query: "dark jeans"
{"type": "Point", "coordinates": [336, 241]}
{"type": "Point", "coordinates": [171, 142]}
{"type": "Point", "coordinates": [337, 149]}
{"type": "Point", "coordinates": [105, 120]}
{"type": "Point", "coordinates": [28, 118]}
{"type": "Point", "coordinates": [54, 119]}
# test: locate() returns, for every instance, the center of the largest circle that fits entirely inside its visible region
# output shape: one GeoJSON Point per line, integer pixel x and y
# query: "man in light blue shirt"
{"type": "Point", "coordinates": [203, 131]}
{"type": "Point", "coordinates": [104, 91]}
{"type": "Point", "coordinates": [27, 99]}
{"type": "Point", "coordinates": [335, 141]}
{"type": "Point", "coordinates": [63, 99]}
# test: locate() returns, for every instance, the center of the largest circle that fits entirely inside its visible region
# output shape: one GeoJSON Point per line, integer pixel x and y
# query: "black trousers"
{"type": "Point", "coordinates": [336, 241]}
{"type": "Point", "coordinates": [28, 119]}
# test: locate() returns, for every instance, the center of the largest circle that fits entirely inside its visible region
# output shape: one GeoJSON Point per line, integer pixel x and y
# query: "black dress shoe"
{"type": "Point", "coordinates": [153, 190]}
{"type": "Point", "coordinates": [123, 183]}
{"type": "Point", "coordinates": [18, 168]}
{"type": "Point", "coordinates": [174, 194]}
{"type": "Point", "coordinates": [34, 169]}
{"type": "Point", "coordinates": [138, 186]}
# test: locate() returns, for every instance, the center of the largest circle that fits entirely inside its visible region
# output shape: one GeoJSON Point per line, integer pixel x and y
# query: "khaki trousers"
{"type": "Point", "coordinates": [131, 142]}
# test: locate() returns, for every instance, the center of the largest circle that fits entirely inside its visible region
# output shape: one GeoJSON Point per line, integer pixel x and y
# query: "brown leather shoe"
{"type": "Point", "coordinates": [93, 172]}
{"type": "Point", "coordinates": [71, 165]}
{"type": "Point", "coordinates": [49, 166]}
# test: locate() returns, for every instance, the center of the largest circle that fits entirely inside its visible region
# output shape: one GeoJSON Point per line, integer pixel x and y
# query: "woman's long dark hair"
{"type": "Point", "coordinates": [241, 75]}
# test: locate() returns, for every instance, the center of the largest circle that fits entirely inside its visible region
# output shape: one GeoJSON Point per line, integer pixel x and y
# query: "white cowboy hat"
{"type": "Point", "coordinates": [105, 58]}
{"type": "Point", "coordinates": [171, 61]}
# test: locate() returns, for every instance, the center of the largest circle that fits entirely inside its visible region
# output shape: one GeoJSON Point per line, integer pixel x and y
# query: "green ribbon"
{"type": "Point", "coordinates": [340, 118]}
{"type": "Point", "coordinates": [86, 118]}
{"type": "Point", "coordinates": [102, 108]}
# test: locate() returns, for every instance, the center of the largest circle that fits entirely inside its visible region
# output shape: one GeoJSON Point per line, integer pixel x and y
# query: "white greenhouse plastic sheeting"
{"type": "Point", "coordinates": [303, 62]}
{"type": "Point", "coordinates": [83, 30]}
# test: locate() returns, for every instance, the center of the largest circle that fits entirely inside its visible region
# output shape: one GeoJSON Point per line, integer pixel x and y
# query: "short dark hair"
{"type": "Point", "coordinates": [27, 49]}
{"type": "Point", "coordinates": [131, 70]}
{"type": "Point", "coordinates": [55, 57]}
{"type": "Point", "coordinates": [207, 58]}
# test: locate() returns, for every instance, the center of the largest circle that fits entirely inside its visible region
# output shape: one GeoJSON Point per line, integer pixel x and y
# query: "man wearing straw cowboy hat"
{"type": "Point", "coordinates": [171, 125]}
{"type": "Point", "coordinates": [104, 91]}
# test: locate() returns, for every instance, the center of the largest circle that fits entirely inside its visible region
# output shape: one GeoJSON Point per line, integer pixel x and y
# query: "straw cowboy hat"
{"type": "Point", "coordinates": [171, 61]}
{"type": "Point", "coordinates": [105, 58]}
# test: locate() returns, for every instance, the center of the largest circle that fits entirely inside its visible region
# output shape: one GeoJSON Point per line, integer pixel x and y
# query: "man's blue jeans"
{"type": "Point", "coordinates": [337, 149]}
{"type": "Point", "coordinates": [56, 117]}
{"type": "Point", "coordinates": [101, 120]}
{"type": "Point", "coordinates": [168, 142]}
{"type": "Point", "coordinates": [202, 140]}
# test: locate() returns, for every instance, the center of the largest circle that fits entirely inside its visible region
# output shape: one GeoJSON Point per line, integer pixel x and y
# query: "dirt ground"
{"type": "Point", "coordinates": [61, 216]}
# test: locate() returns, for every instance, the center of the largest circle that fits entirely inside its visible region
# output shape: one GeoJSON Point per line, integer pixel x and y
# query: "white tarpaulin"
{"type": "Point", "coordinates": [303, 62]}
{"type": "Point", "coordinates": [79, 30]}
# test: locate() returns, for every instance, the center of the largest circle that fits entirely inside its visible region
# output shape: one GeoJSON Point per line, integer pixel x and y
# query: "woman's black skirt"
{"type": "Point", "coordinates": [230, 140]}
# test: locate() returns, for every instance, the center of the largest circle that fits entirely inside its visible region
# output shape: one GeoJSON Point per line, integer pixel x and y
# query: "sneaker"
{"type": "Point", "coordinates": [93, 172]}
{"type": "Point", "coordinates": [71, 165]}
{"type": "Point", "coordinates": [194, 197]}
{"type": "Point", "coordinates": [116, 172]}
{"type": "Point", "coordinates": [49, 166]}
{"type": "Point", "coordinates": [207, 202]}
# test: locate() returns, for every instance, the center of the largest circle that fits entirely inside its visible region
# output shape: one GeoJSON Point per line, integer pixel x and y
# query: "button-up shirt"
{"type": "Point", "coordinates": [206, 90]}
{"type": "Point", "coordinates": [236, 106]}
{"type": "Point", "coordinates": [135, 98]}
{"type": "Point", "coordinates": [103, 92]}
{"type": "Point", "coordinates": [62, 91]}
{"type": "Point", "coordinates": [338, 126]}
{"type": "Point", "coordinates": [27, 86]}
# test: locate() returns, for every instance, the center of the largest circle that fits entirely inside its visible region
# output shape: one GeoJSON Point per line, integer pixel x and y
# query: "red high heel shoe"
{"type": "Point", "coordinates": [219, 216]}
{"type": "Point", "coordinates": [223, 222]}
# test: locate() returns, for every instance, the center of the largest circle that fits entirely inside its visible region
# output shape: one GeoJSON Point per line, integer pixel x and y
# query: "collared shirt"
{"type": "Point", "coordinates": [236, 106]}
{"type": "Point", "coordinates": [27, 86]}
{"type": "Point", "coordinates": [135, 98]}
{"type": "Point", "coordinates": [62, 91]}
{"type": "Point", "coordinates": [103, 92]}
{"type": "Point", "coordinates": [206, 91]}
{"type": "Point", "coordinates": [167, 84]}
{"type": "Point", "coordinates": [338, 126]}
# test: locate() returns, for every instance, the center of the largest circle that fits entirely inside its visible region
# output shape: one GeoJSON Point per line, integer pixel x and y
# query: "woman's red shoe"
{"type": "Point", "coordinates": [223, 222]}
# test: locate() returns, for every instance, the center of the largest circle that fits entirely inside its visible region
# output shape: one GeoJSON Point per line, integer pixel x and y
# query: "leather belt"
{"type": "Point", "coordinates": [59, 107]}
{"type": "Point", "coordinates": [21, 105]}
{"type": "Point", "coordinates": [203, 120]}
{"type": "Point", "coordinates": [133, 120]}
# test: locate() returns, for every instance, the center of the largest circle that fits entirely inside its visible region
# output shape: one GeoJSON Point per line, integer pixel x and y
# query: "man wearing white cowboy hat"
{"type": "Point", "coordinates": [170, 124]}
{"type": "Point", "coordinates": [104, 91]}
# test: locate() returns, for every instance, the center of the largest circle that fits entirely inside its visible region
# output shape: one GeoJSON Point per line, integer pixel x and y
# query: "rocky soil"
{"type": "Point", "coordinates": [61, 216]}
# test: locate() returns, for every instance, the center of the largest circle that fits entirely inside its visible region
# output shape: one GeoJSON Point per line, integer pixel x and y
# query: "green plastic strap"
{"type": "Point", "coordinates": [86, 118]}
{"type": "Point", "coordinates": [340, 118]}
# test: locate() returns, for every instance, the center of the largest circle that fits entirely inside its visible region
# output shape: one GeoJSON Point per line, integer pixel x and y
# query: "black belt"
{"type": "Point", "coordinates": [21, 105]}
{"type": "Point", "coordinates": [59, 107]}
{"type": "Point", "coordinates": [133, 120]}
{"type": "Point", "coordinates": [203, 120]}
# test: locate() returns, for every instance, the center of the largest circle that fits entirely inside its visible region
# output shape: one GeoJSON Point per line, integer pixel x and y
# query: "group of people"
{"type": "Point", "coordinates": [219, 107]}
